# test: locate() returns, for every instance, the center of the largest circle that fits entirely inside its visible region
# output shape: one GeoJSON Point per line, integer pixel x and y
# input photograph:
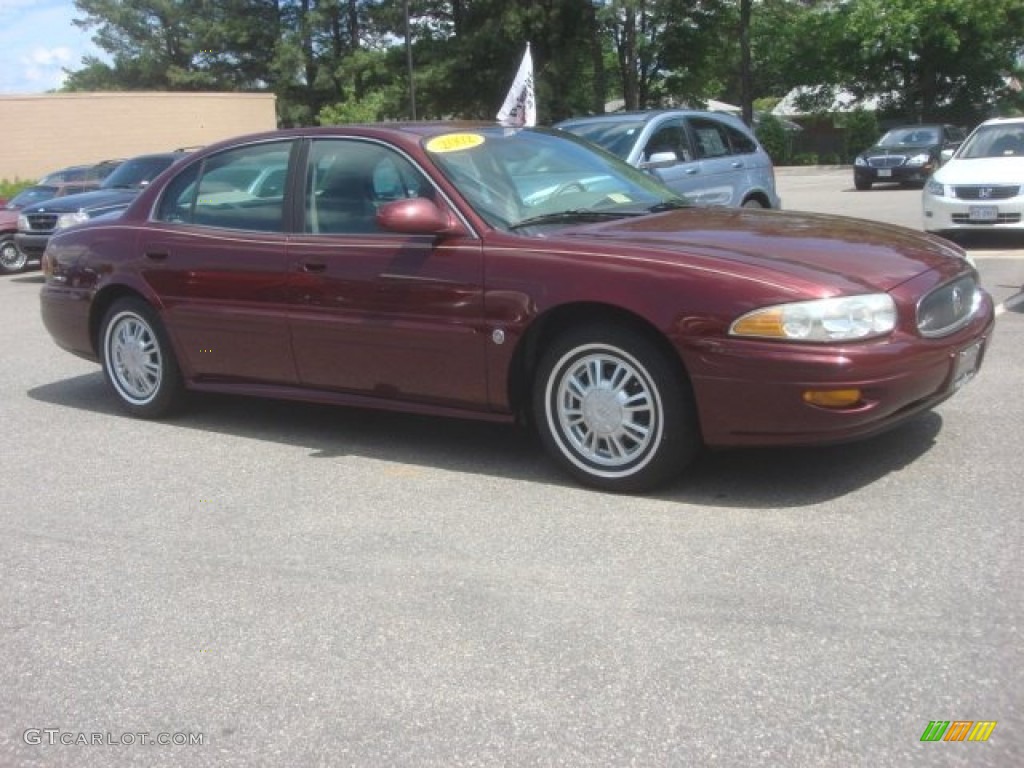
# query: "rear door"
{"type": "Point", "coordinates": [217, 257]}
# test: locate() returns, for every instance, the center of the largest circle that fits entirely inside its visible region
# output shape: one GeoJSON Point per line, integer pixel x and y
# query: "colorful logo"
{"type": "Point", "coordinates": [958, 730]}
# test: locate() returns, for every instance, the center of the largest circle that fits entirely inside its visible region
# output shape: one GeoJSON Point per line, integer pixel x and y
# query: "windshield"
{"type": "Point", "coordinates": [1005, 140]}
{"type": "Point", "coordinates": [137, 173]}
{"type": "Point", "coordinates": [510, 176]}
{"type": "Point", "coordinates": [914, 136]}
{"type": "Point", "coordinates": [616, 136]}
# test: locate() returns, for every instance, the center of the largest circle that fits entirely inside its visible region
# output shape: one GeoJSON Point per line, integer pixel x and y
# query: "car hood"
{"type": "Point", "coordinates": [84, 201]}
{"type": "Point", "coordinates": [831, 253]}
{"type": "Point", "coordinates": [982, 170]}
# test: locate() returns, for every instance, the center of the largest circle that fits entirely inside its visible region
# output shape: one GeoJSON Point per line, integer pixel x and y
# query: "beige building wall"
{"type": "Point", "coordinates": [40, 133]}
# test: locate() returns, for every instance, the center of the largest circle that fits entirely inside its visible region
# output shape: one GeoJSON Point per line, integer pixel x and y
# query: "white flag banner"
{"type": "Point", "coordinates": [520, 107]}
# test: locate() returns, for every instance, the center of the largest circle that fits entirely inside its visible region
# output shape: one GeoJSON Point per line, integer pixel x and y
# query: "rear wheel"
{"type": "Point", "coordinates": [12, 259]}
{"type": "Point", "coordinates": [753, 203]}
{"type": "Point", "coordinates": [614, 410]}
{"type": "Point", "coordinates": [138, 361]}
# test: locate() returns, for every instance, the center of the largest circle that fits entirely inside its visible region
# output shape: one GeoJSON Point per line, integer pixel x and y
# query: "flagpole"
{"type": "Point", "coordinates": [408, 64]}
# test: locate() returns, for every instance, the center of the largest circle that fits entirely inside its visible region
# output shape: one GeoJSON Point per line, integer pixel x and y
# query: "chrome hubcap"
{"type": "Point", "coordinates": [607, 410]}
{"type": "Point", "coordinates": [135, 362]}
{"type": "Point", "coordinates": [10, 256]}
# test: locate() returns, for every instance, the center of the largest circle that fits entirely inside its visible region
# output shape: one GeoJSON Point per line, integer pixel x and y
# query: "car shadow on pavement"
{"type": "Point", "coordinates": [746, 478]}
{"type": "Point", "coordinates": [37, 278]}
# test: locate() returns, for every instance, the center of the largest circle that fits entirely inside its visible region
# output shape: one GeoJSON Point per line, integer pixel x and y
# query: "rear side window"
{"type": "Point", "coordinates": [241, 188]}
{"type": "Point", "coordinates": [711, 138]}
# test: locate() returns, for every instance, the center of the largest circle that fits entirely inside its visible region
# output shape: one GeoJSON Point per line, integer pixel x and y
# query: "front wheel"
{"type": "Point", "coordinates": [614, 410]}
{"type": "Point", "coordinates": [12, 259]}
{"type": "Point", "coordinates": [138, 361]}
{"type": "Point", "coordinates": [862, 184]}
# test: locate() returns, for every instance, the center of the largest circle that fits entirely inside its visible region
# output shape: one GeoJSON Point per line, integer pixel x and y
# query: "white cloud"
{"type": "Point", "coordinates": [37, 42]}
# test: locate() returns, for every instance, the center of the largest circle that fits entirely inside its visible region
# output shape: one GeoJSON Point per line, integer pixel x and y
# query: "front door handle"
{"type": "Point", "coordinates": [157, 255]}
{"type": "Point", "coordinates": [314, 266]}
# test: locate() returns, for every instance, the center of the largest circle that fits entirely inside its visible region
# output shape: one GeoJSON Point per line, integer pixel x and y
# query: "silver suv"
{"type": "Point", "coordinates": [710, 157]}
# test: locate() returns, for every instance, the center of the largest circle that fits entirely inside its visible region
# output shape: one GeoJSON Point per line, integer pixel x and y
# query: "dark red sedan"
{"type": "Point", "coordinates": [495, 273]}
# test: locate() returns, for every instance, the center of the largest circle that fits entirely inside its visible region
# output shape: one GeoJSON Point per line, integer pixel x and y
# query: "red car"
{"type": "Point", "coordinates": [495, 273]}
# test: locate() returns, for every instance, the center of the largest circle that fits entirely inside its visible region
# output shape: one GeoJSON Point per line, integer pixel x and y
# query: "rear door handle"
{"type": "Point", "coordinates": [314, 266]}
{"type": "Point", "coordinates": [157, 255]}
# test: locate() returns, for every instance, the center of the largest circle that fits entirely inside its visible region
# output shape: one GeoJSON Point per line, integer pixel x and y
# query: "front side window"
{"type": "Point", "coordinates": [670, 137]}
{"type": "Point", "coordinates": [241, 188]}
{"type": "Point", "coordinates": [348, 180]}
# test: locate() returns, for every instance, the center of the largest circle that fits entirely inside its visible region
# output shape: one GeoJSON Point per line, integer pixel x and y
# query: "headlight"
{"type": "Point", "coordinates": [859, 161]}
{"type": "Point", "coordinates": [70, 219]}
{"type": "Point", "coordinates": [845, 318]}
{"type": "Point", "coordinates": [922, 159]}
{"type": "Point", "coordinates": [23, 224]}
{"type": "Point", "coordinates": [936, 188]}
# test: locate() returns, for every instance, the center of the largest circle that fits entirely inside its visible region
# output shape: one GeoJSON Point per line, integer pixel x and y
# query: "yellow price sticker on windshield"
{"type": "Point", "coordinates": [453, 142]}
{"type": "Point", "coordinates": [618, 197]}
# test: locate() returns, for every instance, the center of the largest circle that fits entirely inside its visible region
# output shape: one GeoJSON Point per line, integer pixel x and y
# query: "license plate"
{"type": "Point", "coordinates": [966, 365]}
{"type": "Point", "coordinates": [884, 173]}
{"type": "Point", "coordinates": [983, 213]}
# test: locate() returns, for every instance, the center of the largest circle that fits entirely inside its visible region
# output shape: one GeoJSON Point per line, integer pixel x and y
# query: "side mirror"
{"type": "Point", "coordinates": [945, 155]}
{"type": "Point", "coordinates": [415, 216]}
{"type": "Point", "coordinates": [660, 160]}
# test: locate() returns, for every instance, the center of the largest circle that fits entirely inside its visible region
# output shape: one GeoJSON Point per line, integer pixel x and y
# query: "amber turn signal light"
{"type": "Point", "coordinates": [832, 398]}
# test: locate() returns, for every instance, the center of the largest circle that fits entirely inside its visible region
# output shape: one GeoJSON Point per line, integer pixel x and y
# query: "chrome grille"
{"type": "Point", "coordinates": [982, 192]}
{"type": "Point", "coordinates": [948, 308]}
{"type": "Point", "coordinates": [1002, 218]}
{"type": "Point", "coordinates": [43, 222]}
{"type": "Point", "coordinates": [888, 161]}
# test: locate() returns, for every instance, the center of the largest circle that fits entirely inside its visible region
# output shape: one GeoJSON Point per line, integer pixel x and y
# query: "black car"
{"type": "Point", "coordinates": [37, 222]}
{"type": "Point", "coordinates": [907, 155]}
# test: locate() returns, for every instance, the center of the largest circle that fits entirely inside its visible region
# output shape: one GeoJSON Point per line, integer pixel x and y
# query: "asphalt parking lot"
{"type": "Point", "coordinates": [272, 584]}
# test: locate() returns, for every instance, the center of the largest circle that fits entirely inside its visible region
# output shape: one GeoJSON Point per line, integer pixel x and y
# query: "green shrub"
{"type": "Point", "coordinates": [804, 158]}
{"type": "Point", "coordinates": [9, 189]}
{"type": "Point", "coordinates": [861, 131]}
{"type": "Point", "coordinates": [828, 158]}
{"type": "Point", "coordinates": [773, 137]}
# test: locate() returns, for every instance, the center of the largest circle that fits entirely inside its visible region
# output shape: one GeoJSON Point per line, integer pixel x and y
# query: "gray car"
{"type": "Point", "coordinates": [711, 157]}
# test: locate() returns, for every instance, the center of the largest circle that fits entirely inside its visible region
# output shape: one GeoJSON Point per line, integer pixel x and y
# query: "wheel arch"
{"type": "Point", "coordinates": [102, 303]}
{"type": "Point", "coordinates": [545, 328]}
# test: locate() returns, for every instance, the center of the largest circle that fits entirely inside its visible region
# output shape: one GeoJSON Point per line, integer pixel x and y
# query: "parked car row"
{"type": "Point", "coordinates": [970, 183]}
{"type": "Point", "coordinates": [68, 197]}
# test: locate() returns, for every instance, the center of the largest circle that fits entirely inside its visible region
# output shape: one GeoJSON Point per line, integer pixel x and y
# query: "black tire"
{"type": "Point", "coordinates": [138, 361]}
{"type": "Point", "coordinates": [12, 258]}
{"type": "Point", "coordinates": [862, 184]}
{"type": "Point", "coordinates": [578, 394]}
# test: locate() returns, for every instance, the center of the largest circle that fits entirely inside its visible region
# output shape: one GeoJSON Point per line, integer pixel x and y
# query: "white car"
{"type": "Point", "coordinates": [981, 187]}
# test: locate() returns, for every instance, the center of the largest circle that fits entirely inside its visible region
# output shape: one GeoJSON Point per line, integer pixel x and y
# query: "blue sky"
{"type": "Point", "coordinates": [38, 40]}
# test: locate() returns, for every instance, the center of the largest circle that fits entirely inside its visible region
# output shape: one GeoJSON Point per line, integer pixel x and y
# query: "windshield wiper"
{"type": "Point", "coordinates": [670, 205]}
{"type": "Point", "coordinates": [575, 214]}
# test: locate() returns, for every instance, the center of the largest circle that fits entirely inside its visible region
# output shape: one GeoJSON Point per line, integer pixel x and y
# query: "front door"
{"type": "Point", "coordinates": [380, 313]}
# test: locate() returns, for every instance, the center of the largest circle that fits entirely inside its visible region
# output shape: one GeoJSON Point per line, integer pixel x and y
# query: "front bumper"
{"type": "Point", "coordinates": [946, 214]}
{"type": "Point", "coordinates": [750, 392]}
{"type": "Point", "coordinates": [901, 174]}
{"type": "Point", "coordinates": [32, 244]}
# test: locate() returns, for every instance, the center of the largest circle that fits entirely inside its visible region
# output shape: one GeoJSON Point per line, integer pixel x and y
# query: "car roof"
{"type": "Point", "coordinates": [646, 115]}
{"type": "Point", "coordinates": [1003, 120]}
